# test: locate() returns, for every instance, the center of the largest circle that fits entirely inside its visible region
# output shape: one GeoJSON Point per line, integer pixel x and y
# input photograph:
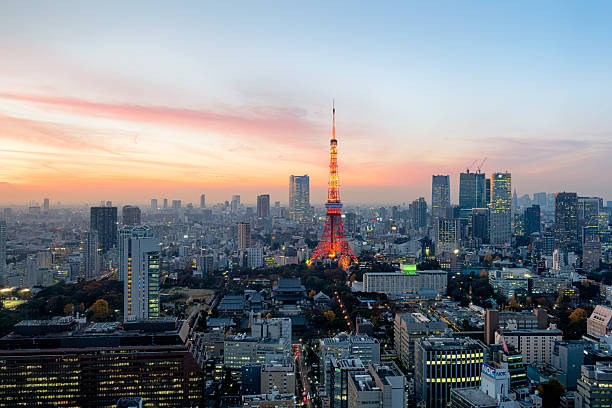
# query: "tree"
{"type": "Point", "coordinates": [551, 393]}
{"type": "Point", "coordinates": [578, 315]}
{"type": "Point", "coordinates": [329, 315]}
{"type": "Point", "coordinates": [312, 293]}
{"type": "Point", "coordinates": [99, 310]}
{"type": "Point", "coordinates": [68, 309]}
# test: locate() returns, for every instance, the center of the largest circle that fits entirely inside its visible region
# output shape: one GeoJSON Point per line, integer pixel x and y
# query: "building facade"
{"type": "Point", "coordinates": [500, 214]}
{"type": "Point", "coordinates": [299, 198]}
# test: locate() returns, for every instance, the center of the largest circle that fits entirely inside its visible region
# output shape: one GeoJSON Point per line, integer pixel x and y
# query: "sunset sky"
{"type": "Point", "coordinates": [127, 101]}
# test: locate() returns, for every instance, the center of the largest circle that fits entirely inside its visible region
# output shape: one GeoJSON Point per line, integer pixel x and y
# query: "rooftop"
{"type": "Point", "coordinates": [476, 397]}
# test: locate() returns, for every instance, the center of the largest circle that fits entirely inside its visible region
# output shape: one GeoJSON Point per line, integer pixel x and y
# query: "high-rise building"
{"type": "Point", "coordinates": [46, 205]}
{"type": "Point", "coordinates": [587, 211]}
{"type": "Point", "coordinates": [443, 363]}
{"type": "Point", "coordinates": [244, 235]}
{"type": "Point", "coordinates": [141, 260]}
{"type": "Point", "coordinates": [447, 232]}
{"type": "Point", "coordinates": [176, 205]}
{"type": "Point", "coordinates": [480, 225]}
{"type": "Point", "coordinates": [299, 198]}
{"type": "Point", "coordinates": [500, 214]}
{"type": "Point", "coordinates": [165, 203]}
{"type": "Point", "coordinates": [130, 215]}
{"type": "Point", "coordinates": [235, 204]}
{"type": "Point", "coordinates": [591, 255]}
{"type": "Point", "coordinates": [472, 192]}
{"type": "Point", "coordinates": [3, 268]}
{"type": "Point", "coordinates": [488, 192]}
{"type": "Point", "coordinates": [126, 232]}
{"type": "Point", "coordinates": [92, 256]}
{"type": "Point", "coordinates": [104, 221]}
{"type": "Point", "coordinates": [532, 219]}
{"type": "Point", "coordinates": [440, 195]}
{"type": "Point", "coordinates": [203, 201]}
{"type": "Point", "coordinates": [263, 206]}
{"type": "Point", "coordinates": [154, 204]}
{"type": "Point", "coordinates": [566, 221]}
{"type": "Point", "coordinates": [418, 213]}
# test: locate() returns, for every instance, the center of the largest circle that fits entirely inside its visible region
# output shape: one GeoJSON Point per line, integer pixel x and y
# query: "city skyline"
{"type": "Point", "coordinates": [163, 107]}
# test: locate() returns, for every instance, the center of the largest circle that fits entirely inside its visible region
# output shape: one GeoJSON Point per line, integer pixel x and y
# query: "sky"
{"type": "Point", "coordinates": [128, 101]}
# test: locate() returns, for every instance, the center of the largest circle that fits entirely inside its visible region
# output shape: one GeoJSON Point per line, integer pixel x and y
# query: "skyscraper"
{"type": "Point", "coordinates": [235, 204]}
{"type": "Point", "coordinates": [104, 221]}
{"type": "Point", "coordinates": [263, 206]}
{"type": "Point", "coordinates": [91, 255]}
{"type": "Point", "coordinates": [203, 201]}
{"type": "Point", "coordinates": [140, 261]}
{"type": "Point", "coordinates": [176, 205]}
{"type": "Point", "coordinates": [587, 209]}
{"type": "Point", "coordinates": [299, 198]}
{"type": "Point", "coordinates": [532, 219]}
{"type": "Point", "coordinates": [244, 235]}
{"type": "Point", "coordinates": [46, 205]}
{"type": "Point", "coordinates": [418, 213]}
{"type": "Point", "coordinates": [566, 221]}
{"type": "Point", "coordinates": [130, 215]}
{"type": "Point", "coordinates": [165, 203]}
{"type": "Point", "coordinates": [440, 195]}
{"type": "Point", "coordinates": [480, 225]}
{"type": "Point", "coordinates": [3, 269]}
{"type": "Point", "coordinates": [500, 214]}
{"type": "Point", "coordinates": [471, 191]}
{"type": "Point", "coordinates": [154, 204]}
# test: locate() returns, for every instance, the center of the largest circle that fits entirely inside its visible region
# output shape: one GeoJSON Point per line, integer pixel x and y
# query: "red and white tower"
{"type": "Point", "coordinates": [333, 244]}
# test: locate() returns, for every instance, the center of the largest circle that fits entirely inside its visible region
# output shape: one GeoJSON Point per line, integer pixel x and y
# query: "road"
{"type": "Point", "coordinates": [303, 371]}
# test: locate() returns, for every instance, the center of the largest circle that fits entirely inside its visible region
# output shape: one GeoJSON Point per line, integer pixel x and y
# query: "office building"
{"type": "Point", "coordinates": [591, 255]}
{"type": "Point", "coordinates": [535, 345]}
{"type": "Point", "coordinates": [447, 233]}
{"type": "Point", "coordinates": [154, 206]}
{"type": "Point", "coordinates": [599, 322]}
{"type": "Point", "coordinates": [443, 363]}
{"type": "Point", "coordinates": [532, 220]}
{"type": "Point", "coordinates": [500, 214]}
{"type": "Point", "coordinates": [126, 232]}
{"type": "Point", "coordinates": [440, 195]}
{"type": "Point", "coordinates": [130, 215]}
{"type": "Point", "coordinates": [46, 205]}
{"type": "Point", "coordinates": [595, 386]}
{"type": "Point", "coordinates": [165, 203]}
{"type": "Point", "coordinates": [3, 267]}
{"type": "Point", "coordinates": [176, 205]}
{"type": "Point", "coordinates": [251, 379]}
{"type": "Point", "coordinates": [472, 191]}
{"type": "Point", "coordinates": [103, 220]}
{"type": "Point", "coordinates": [203, 201]}
{"type": "Point", "coordinates": [399, 282]}
{"type": "Point", "coordinates": [140, 261]}
{"type": "Point", "coordinates": [263, 206]}
{"type": "Point", "coordinates": [92, 258]}
{"type": "Point", "coordinates": [411, 327]}
{"type": "Point", "coordinates": [278, 376]}
{"type": "Point", "coordinates": [568, 356]}
{"type": "Point", "coordinates": [339, 375]}
{"type": "Point", "coordinates": [362, 391]}
{"type": "Point", "coordinates": [480, 225]}
{"type": "Point", "coordinates": [62, 362]}
{"type": "Point", "coordinates": [512, 361]}
{"type": "Point", "coordinates": [587, 216]}
{"type": "Point", "coordinates": [566, 221]}
{"type": "Point", "coordinates": [417, 211]}
{"type": "Point", "coordinates": [235, 204]}
{"type": "Point", "coordinates": [244, 235]}
{"type": "Point", "coordinates": [494, 319]}
{"type": "Point", "coordinates": [254, 257]}
{"type": "Point", "coordinates": [299, 198]}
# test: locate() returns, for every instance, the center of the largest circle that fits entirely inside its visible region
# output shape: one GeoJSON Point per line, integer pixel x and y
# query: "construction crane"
{"type": "Point", "coordinates": [481, 164]}
{"type": "Point", "coordinates": [471, 165]}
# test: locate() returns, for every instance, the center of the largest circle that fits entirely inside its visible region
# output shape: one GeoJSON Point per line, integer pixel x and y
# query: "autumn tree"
{"type": "Point", "coordinates": [68, 309]}
{"type": "Point", "coordinates": [329, 315]}
{"type": "Point", "coordinates": [99, 310]}
{"type": "Point", "coordinates": [578, 315]}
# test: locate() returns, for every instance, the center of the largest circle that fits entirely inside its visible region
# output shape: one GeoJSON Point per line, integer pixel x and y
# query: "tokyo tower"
{"type": "Point", "coordinates": [333, 244]}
